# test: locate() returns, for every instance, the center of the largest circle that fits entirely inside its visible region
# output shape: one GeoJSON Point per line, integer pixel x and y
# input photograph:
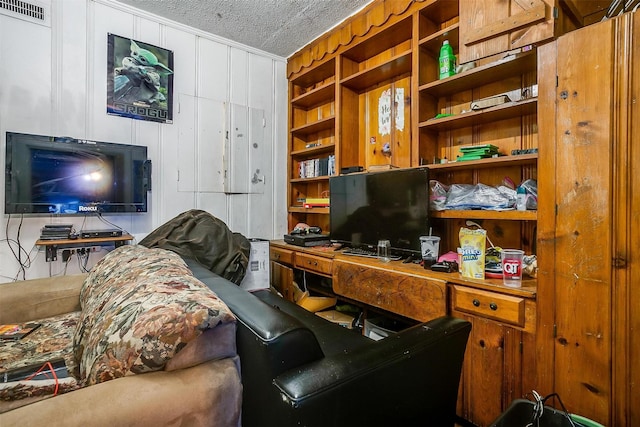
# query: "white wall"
{"type": "Point", "coordinates": [53, 82]}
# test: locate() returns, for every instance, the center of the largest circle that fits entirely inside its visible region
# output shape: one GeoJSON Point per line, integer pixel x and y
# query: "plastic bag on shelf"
{"type": "Point", "coordinates": [531, 189]}
{"type": "Point", "coordinates": [480, 196]}
{"type": "Point", "coordinates": [437, 195]}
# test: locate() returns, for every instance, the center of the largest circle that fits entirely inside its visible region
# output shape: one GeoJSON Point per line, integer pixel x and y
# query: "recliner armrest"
{"type": "Point", "coordinates": [408, 377]}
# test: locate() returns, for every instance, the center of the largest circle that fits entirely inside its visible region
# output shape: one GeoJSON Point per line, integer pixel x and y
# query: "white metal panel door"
{"type": "Point", "coordinates": [259, 161]}
{"type": "Point", "coordinates": [237, 150]}
{"type": "Point", "coordinates": [210, 145]}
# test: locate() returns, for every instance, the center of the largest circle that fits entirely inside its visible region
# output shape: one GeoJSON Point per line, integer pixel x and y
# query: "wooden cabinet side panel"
{"type": "Point", "coordinates": [626, 229]}
{"type": "Point", "coordinates": [546, 250]}
{"type": "Point", "coordinates": [583, 354]}
{"type": "Point", "coordinates": [282, 279]}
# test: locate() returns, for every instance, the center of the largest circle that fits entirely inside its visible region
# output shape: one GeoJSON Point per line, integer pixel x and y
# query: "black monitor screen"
{"type": "Point", "coordinates": [391, 205]}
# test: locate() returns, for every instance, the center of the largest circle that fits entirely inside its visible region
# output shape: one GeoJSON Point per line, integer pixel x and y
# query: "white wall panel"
{"type": "Point", "coordinates": [185, 58]}
{"type": "Point", "coordinates": [185, 149]}
{"type": "Point", "coordinates": [279, 153]}
{"type": "Point", "coordinates": [70, 76]}
{"type": "Point", "coordinates": [25, 77]}
{"type": "Point", "coordinates": [238, 73]}
{"type": "Point", "coordinates": [213, 70]}
{"type": "Point", "coordinates": [217, 204]}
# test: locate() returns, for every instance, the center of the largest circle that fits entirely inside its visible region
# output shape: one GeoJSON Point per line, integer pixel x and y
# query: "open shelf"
{"type": "Point", "coordinates": [394, 67]}
{"type": "Point", "coordinates": [479, 76]}
{"type": "Point", "coordinates": [319, 95]}
{"type": "Point", "coordinates": [492, 162]}
{"type": "Point", "coordinates": [308, 152]}
{"type": "Point", "coordinates": [389, 37]}
{"type": "Point", "coordinates": [433, 42]}
{"type": "Point", "coordinates": [479, 117]}
{"type": "Point", "coordinates": [320, 125]}
{"type": "Point", "coordinates": [301, 209]}
{"type": "Point", "coordinates": [315, 74]}
{"type": "Point", "coordinates": [314, 179]}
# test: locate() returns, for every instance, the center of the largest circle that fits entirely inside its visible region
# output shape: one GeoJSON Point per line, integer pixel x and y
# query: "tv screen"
{"type": "Point", "coordinates": [61, 175]}
{"type": "Point", "coordinates": [391, 205]}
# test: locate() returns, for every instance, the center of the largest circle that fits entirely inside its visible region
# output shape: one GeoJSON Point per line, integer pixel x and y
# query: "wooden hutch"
{"type": "Point", "coordinates": [572, 103]}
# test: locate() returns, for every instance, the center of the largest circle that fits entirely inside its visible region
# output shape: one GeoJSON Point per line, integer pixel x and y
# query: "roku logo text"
{"type": "Point", "coordinates": [88, 208]}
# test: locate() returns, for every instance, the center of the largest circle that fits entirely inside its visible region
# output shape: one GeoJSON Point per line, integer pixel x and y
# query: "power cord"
{"type": "Point", "coordinates": [18, 256]}
{"type": "Point", "coordinates": [538, 409]}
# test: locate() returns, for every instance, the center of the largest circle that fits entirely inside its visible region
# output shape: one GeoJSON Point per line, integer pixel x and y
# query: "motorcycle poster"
{"type": "Point", "coordinates": [139, 80]}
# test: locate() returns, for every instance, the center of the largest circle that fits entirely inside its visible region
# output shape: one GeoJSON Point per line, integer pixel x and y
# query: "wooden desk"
{"type": "Point", "coordinates": [502, 340]}
{"type": "Point", "coordinates": [52, 246]}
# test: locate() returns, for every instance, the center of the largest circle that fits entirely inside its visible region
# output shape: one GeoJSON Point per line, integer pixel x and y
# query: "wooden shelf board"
{"type": "Point", "coordinates": [300, 209]}
{"type": "Point", "coordinates": [394, 67]}
{"type": "Point", "coordinates": [479, 76]}
{"type": "Point", "coordinates": [317, 96]}
{"type": "Point", "coordinates": [320, 125]}
{"type": "Point", "coordinates": [313, 150]}
{"type": "Point", "coordinates": [84, 242]}
{"type": "Point", "coordinates": [485, 214]}
{"type": "Point", "coordinates": [314, 179]}
{"type": "Point", "coordinates": [492, 162]}
{"type": "Point", "coordinates": [479, 117]}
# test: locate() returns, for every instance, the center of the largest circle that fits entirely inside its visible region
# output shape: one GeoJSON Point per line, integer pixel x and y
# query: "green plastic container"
{"type": "Point", "coordinates": [447, 61]}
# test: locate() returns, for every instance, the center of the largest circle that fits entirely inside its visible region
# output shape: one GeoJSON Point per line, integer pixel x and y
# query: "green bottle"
{"type": "Point", "coordinates": [447, 60]}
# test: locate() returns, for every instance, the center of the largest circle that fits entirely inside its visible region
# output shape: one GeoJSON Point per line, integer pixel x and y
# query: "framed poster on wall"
{"type": "Point", "coordinates": [139, 80]}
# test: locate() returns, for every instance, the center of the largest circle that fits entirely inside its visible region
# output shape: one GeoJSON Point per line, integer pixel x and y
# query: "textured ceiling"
{"type": "Point", "coordinates": [280, 27]}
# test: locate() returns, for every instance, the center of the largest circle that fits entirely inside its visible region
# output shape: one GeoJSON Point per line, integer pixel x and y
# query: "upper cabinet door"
{"type": "Point", "coordinates": [489, 27]}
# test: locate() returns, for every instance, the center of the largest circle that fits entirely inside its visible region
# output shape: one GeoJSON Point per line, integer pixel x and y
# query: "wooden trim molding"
{"type": "Point", "coordinates": [374, 16]}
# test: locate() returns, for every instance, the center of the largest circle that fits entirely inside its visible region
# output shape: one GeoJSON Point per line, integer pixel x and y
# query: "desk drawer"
{"type": "Point", "coordinates": [407, 294]}
{"type": "Point", "coordinates": [313, 263]}
{"type": "Point", "coordinates": [283, 256]}
{"type": "Point", "coordinates": [492, 305]}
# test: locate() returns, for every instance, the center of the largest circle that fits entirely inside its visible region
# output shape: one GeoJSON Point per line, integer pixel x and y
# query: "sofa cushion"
{"type": "Point", "coordinates": [51, 341]}
{"type": "Point", "coordinates": [140, 307]}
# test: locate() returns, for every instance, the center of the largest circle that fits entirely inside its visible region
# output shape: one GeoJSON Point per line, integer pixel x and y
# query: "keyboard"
{"type": "Point", "coordinates": [369, 253]}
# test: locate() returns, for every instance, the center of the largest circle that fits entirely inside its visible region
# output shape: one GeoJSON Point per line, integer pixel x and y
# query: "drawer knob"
{"type": "Point", "coordinates": [476, 303]}
{"type": "Point", "coordinates": [493, 306]}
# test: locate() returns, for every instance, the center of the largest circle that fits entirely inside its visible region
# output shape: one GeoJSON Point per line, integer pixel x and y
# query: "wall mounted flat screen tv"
{"type": "Point", "coordinates": [61, 175]}
{"type": "Point", "coordinates": [392, 205]}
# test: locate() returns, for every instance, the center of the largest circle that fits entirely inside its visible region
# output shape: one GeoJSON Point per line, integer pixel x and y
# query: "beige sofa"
{"type": "Point", "coordinates": [189, 391]}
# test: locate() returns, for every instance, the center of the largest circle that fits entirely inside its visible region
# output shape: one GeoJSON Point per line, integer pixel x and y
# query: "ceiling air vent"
{"type": "Point", "coordinates": [27, 10]}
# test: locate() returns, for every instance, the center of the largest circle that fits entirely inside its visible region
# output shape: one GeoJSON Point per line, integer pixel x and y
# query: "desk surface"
{"type": "Point", "coordinates": [528, 289]}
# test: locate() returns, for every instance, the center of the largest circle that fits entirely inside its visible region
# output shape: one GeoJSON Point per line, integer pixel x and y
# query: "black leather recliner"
{"type": "Point", "coordinates": [301, 370]}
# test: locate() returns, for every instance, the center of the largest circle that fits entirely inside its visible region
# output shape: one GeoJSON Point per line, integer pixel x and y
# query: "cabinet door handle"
{"type": "Point", "coordinates": [493, 306]}
{"type": "Point", "coordinates": [476, 302]}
